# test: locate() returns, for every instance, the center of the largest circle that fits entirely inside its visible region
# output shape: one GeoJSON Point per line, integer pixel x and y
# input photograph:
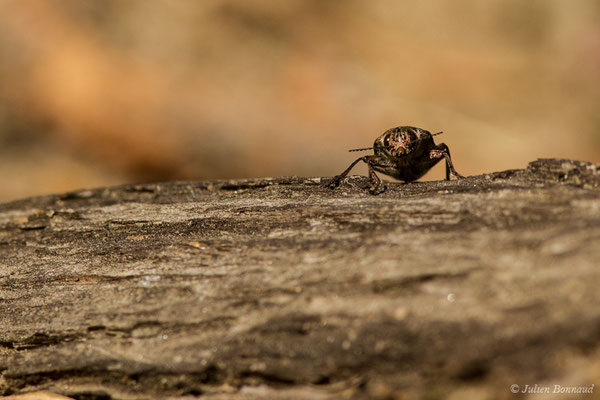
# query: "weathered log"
{"type": "Point", "coordinates": [282, 288]}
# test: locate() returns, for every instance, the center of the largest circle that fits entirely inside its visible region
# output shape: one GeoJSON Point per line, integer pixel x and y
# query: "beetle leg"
{"type": "Point", "coordinates": [376, 185]}
{"type": "Point", "coordinates": [441, 150]}
{"type": "Point", "coordinates": [335, 182]}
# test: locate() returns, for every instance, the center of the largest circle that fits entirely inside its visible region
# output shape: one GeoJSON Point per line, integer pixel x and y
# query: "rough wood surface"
{"type": "Point", "coordinates": [280, 288]}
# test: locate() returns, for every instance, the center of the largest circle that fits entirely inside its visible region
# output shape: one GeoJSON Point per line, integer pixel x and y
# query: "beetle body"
{"type": "Point", "coordinates": [405, 153]}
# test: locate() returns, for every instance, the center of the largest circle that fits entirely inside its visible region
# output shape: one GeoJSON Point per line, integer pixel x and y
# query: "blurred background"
{"type": "Point", "coordinates": [111, 91]}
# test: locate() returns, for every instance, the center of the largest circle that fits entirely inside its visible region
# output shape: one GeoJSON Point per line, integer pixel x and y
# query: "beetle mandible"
{"type": "Point", "coordinates": [405, 153]}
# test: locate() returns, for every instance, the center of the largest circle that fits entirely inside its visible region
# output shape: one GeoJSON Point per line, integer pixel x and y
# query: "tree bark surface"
{"type": "Point", "coordinates": [281, 288]}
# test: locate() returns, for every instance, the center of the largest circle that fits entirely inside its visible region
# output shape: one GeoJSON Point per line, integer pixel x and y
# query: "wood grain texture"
{"type": "Point", "coordinates": [280, 288]}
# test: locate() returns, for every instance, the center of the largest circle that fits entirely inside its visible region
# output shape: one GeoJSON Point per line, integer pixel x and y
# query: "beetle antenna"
{"type": "Point", "coordinates": [439, 133]}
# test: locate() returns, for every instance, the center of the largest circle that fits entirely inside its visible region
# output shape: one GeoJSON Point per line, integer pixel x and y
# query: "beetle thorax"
{"type": "Point", "coordinates": [398, 142]}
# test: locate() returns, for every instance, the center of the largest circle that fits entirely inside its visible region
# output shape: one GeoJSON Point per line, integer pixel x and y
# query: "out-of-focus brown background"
{"type": "Point", "coordinates": [105, 92]}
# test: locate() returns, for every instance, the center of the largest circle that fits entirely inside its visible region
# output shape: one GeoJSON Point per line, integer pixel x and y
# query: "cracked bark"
{"type": "Point", "coordinates": [281, 288]}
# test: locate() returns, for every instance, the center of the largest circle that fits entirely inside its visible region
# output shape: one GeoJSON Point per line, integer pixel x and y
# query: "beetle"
{"type": "Point", "coordinates": [405, 153]}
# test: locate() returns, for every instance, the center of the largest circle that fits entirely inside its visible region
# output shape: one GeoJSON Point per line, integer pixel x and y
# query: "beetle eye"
{"type": "Point", "coordinates": [386, 141]}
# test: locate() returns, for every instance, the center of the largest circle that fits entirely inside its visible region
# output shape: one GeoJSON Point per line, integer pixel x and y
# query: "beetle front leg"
{"type": "Point", "coordinates": [441, 150]}
{"type": "Point", "coordinates": [376, 185]}
{"type": "Point", "coordinates": [335, 182]}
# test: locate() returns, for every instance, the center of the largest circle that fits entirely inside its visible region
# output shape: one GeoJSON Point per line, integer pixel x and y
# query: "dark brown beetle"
{"type": "Point", "coordinates": [405, 153]}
